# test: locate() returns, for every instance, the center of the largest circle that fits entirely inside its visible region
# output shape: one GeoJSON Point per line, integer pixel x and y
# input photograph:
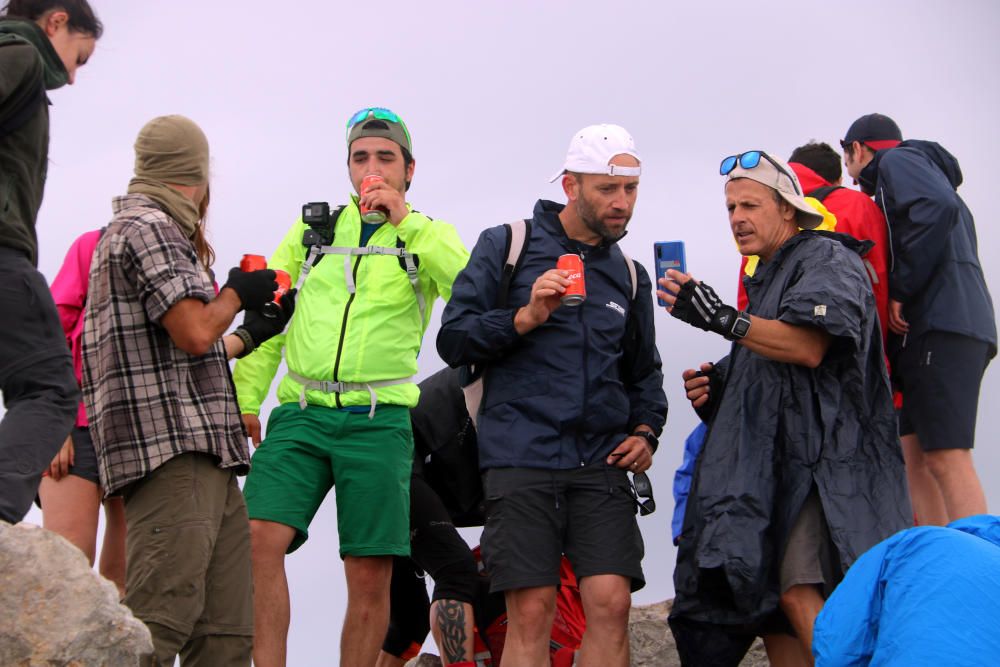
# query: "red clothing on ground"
{"type": "Point", "coordinates": [858, 216]}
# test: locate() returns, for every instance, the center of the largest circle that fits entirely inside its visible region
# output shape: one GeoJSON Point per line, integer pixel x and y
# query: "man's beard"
{"type": "Point", "coordinates": [588, 215]}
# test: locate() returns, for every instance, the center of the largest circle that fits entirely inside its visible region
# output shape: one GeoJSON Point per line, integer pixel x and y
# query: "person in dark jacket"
{"type": "Point", "coordinates": [940, 311]}
{"type": "Point", "coordinates": [800, 471]}
{"type": "Point", "coordinates": [42, 44]}
{"type": "Point", "coordinates": [817, 166]}
{"type": "Point", "coordinates": [569, 405]}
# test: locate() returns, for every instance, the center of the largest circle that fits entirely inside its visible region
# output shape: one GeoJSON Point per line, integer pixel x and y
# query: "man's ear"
{"type": "Point", "coordinates": [409, 171]}
{"type": "Point", "coordinates": [788, 212]}
{"type": "Point", "coordinates": [571, 186]}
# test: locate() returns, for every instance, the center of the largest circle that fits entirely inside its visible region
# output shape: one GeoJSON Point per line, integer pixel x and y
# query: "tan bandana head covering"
{"type": "Point", "coordinates": [171, 149]}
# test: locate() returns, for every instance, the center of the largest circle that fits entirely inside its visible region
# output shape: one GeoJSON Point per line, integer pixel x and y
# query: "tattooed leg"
{"type": "Point", "coordinates": [451, 624]}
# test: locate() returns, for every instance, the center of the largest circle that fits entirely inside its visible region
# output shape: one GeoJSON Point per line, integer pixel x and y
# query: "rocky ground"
{"type": "Point", "coordinates": [651, 643]}
{"type": "Point", "coordinates": [55, 610]}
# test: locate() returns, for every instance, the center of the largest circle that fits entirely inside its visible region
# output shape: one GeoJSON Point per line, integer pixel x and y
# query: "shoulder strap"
{"type": "Point", "coordinates": [633, 279]}
{"type": "Point", "coordinates": [518, 234]}
{"type": "Point", "coordinates": [823, 192]}
{"type": "Point", "coordinates": [29, 104]}
{"type": "Point", "coordinates": [314, 240]}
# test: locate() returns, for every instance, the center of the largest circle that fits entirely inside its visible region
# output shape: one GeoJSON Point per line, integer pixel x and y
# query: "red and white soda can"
{"type": "Point", "coordinates": [576, 291]}
{"type": "Point", "coordinates": [372, 215]}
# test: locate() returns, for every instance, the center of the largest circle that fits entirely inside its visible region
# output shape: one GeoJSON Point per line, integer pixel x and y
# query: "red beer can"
{"type": "Point", "coordinates": [253, 263]}
{"type": "Point", "coordinates": [284, 281]}
{"type": "Point", "coordinates": [259, 263]}
{"type": "Point", "coordinates": [576, 291]}
{"type": "Point", "coordinates": [372, 215]}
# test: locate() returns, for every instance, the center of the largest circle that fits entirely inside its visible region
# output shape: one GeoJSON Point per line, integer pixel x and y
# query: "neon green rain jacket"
{"type": "Point", "coordinates": [371, 335]}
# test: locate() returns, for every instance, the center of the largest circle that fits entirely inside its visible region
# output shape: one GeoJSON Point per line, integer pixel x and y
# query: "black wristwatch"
{"type": "Point", "coordinates": [653, 441]}
{"type": "Point", "coordinates": [740, 327]}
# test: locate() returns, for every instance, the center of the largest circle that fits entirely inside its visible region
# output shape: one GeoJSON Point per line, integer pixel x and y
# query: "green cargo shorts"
{"type": "Point", "coordinates": [306, 452]}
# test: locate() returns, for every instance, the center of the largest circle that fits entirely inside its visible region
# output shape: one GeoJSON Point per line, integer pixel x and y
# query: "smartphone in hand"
{"type": "Point", "coordinates": [668, 255]}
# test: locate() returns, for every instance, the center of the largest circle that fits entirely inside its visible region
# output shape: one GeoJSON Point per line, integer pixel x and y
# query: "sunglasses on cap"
{"type": "Point", "coordinates": [642, 493]}
{"type": "Point", "coordinates": [750, 160]}
{"type": "Point", "coordinates": [381, 113]}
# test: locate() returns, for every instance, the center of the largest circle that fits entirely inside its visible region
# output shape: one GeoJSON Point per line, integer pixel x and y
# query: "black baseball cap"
{"type": "Point", "coordinates": [877, 131]}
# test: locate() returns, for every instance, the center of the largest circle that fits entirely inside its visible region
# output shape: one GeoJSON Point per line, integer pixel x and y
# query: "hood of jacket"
{"type": "Point", "coordinates": [933, 151]}
{"type": "Point", "coordinates": [808, 178]}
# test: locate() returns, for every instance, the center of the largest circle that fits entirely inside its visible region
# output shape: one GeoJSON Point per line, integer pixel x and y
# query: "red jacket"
{"type": "Point", "coordinates": [858, 216]}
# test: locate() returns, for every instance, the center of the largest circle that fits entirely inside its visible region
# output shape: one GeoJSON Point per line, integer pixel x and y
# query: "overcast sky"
{"type": "Point", "coordinates": [492, 92]}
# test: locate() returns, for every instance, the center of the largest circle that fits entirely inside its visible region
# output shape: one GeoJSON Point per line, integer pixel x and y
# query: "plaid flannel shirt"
{"type": "Point", "coordinates": [148, 400]}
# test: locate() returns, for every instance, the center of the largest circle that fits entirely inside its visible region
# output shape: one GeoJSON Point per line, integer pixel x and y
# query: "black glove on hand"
{"type": "Point", "coordinates": [256, 328]}
{"type": "Point", "coordinates": [255, 288]}
{"type": "Point", "coordinates": [699, 305]}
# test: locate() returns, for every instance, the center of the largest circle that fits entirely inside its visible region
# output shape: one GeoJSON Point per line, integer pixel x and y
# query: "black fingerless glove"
{"type": "Point", "coordinates": [256, 328]}
{"type": "Point", "coordinates": [699, 305]}
{"type": "Point", "coordinates": [255, 288]}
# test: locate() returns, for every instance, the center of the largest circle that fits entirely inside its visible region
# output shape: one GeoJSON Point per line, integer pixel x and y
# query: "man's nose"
{"type": "Point", "coordinates": [620, 200]}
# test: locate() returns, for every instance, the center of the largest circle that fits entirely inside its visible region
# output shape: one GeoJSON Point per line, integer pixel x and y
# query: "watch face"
{"type": "Point", "coordinates": [741, 327]}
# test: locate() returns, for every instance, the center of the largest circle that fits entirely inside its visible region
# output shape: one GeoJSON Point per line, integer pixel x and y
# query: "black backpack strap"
{"type": "Point", "coordinates": [823, 192]}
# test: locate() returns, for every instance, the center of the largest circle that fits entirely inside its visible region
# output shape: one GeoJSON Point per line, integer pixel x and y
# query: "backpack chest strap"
{"type": "Point", "coordinates": [409, 263]}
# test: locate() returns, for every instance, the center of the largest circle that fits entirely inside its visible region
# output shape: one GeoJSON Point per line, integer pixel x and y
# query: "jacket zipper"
{"type": "Point", "coordinates": [343, 324]}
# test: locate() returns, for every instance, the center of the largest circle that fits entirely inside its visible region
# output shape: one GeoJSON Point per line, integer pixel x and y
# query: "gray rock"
{"type": "Point", "coordinates": [55, 610]}
{"type": "Point", "coordinates": [424, 660]}
{"type": "Point", "coordinates": [652, 643]}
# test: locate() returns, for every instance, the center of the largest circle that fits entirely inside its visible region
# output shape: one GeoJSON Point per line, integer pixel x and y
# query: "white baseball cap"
{"type": "Point", "coordinates": [591, 149]}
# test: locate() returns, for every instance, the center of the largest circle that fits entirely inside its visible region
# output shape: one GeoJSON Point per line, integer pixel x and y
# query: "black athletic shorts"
{"type": "Point", "coordinates": [940, 374]}
{"type": "Point", "coordinates": [533, 516]}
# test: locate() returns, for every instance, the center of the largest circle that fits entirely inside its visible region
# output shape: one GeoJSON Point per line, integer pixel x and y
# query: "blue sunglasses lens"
{"type": "Point", "coordinates": [727, 165]}
{"type": "Point", "coordinates": [750, 159]}
{"type": "Point", "coordinates": [377, 112]}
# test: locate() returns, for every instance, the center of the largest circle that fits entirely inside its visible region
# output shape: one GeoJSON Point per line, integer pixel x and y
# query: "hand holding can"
{"type": "Point", "coordinates": [379, 213]}
{"type": "Point", "coordinates": [259, 263]}
{"type": "Point", "coordinates": [576, 291]}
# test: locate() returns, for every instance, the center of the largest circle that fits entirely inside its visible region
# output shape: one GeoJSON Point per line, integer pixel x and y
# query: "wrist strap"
{"type": "Point", "coordinates": [248, 344]}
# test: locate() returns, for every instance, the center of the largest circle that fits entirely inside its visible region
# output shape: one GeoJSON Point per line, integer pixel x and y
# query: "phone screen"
{"type": "Point", "coordinates": [668, 255]}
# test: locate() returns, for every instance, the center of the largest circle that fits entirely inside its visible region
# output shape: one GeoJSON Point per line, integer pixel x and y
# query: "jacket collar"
{"type": "Point", "coordinates": [546, 214]}
{"type": "Point", "coordinates": [868, 178]}
{"type": "Point", "coordinates": [55, 72]}
{"type": "Point", "coordinates": [854, 245]}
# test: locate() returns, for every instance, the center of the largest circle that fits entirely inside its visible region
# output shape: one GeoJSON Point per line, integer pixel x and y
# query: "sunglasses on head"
{"type": "Point", "coordinates": [642, 493]}
{"type": "Point", "coordinates": [381, 113]}
{"type": "Point", "coordinates": [750, 160]}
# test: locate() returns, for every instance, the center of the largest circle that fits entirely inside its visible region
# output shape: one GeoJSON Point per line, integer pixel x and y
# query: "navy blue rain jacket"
{"type": "Point", "coordinates": [560, 396]}
{"type": "Point", "coordinates": [780, 429]}
{"type": "Point", "coordinates": [935, 271]}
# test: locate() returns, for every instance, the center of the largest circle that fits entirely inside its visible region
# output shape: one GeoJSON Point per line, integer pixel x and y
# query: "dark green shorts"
{"type": "Point", "coordinates": [306, 452]}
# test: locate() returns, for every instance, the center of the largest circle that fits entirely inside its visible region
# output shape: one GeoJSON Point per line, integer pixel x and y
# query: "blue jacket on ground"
{"type": "Point", "coordinates": [560, 396]}
{"type": "Point", "coordinates": [925, 597]}
{"type": "Point", "coordinates": [934, 269]}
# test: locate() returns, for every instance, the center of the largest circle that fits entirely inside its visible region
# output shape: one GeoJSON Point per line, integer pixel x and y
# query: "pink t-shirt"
{"type": "Point", "coordinates": [69, 290]}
